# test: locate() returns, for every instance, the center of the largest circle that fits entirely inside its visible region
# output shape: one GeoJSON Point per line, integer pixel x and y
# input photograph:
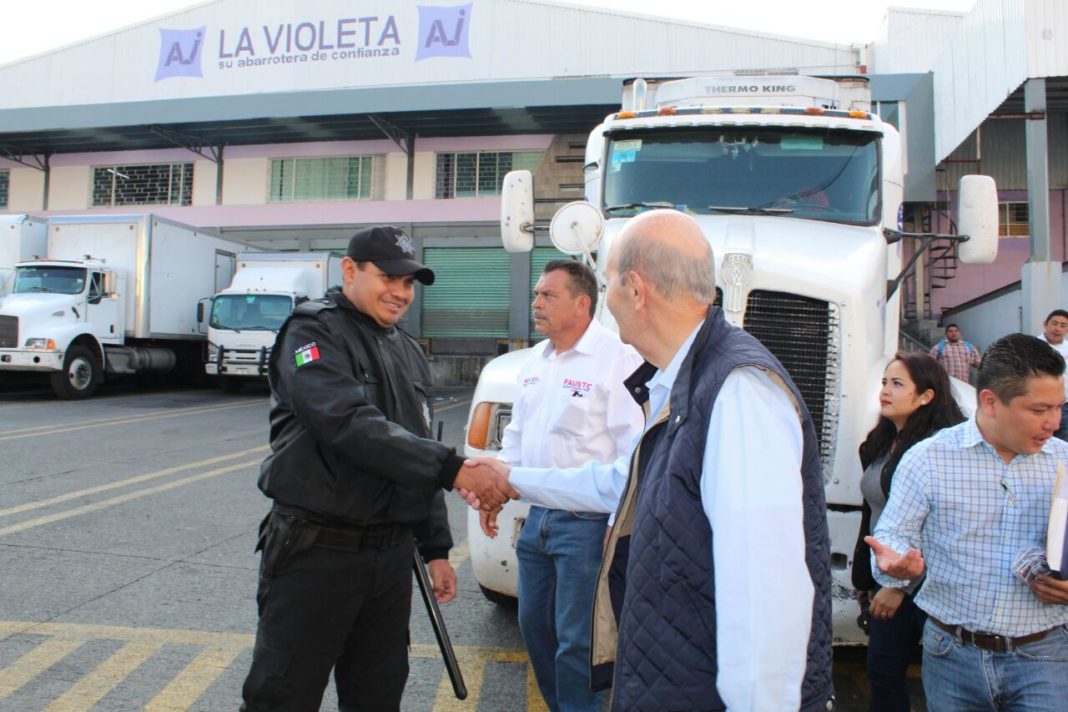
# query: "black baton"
{"type": "Point", "coordinates": [444, 644]}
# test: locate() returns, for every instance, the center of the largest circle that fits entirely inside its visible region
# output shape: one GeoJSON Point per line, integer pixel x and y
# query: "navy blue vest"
{"type": "Point", "coordinates": [666, 658]}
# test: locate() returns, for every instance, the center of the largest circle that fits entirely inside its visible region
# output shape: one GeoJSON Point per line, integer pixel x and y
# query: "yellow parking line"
{"type": "Point", "coordinates": [124, 483]}
{"type": "Point", "coordinates": [82, 632]}
{"type": "Point", "coordinates": [187, 687]}
{"type": "Point", "coordinates": [34, 663]}
{"type": "Point", "coordinates": [474, 670]}
{"type": "Point", "coordinates": [103, 679]}
{"type": "Point", "coordinates": [178, 412]}
{"type": "Point", "coordinates": [104, 504]}
{"type": "Point", "coordinates": [535, 702]}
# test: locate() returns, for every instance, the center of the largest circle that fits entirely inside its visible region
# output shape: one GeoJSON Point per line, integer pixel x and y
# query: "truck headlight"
{"type": "Point", "coordinates": [488, 421]}
{"type": "Point", "coordinates": [40, 344]}
{"type": "Point", "coordinates": [213, 351]}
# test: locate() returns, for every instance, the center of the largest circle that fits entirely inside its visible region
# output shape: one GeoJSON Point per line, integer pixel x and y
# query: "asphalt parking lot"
{"type": "Point", "coordinates": [127, 528]}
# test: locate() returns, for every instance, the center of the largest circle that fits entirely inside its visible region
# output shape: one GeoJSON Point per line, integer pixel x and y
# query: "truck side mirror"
{"type": "Point", "coordinates": [111, 286]}
{"type": "Point", "coordinates": [517, 211]}
{"type": "Point", "coordinates": [576, 229]}
{"type": "Point", "coordinates": [978, 219]}
{"type": "Point", "coordinates": [200, 312]}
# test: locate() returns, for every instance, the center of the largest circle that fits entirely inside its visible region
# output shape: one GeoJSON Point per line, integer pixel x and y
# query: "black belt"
{"type": "Point", "coordinates": [990, 641]}
{"type": "Point", "coordinates": [355, 538]}
{"type": "Point", "coordinates": [375, 537]}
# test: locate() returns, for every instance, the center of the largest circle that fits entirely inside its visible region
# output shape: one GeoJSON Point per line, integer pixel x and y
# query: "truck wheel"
{"type": "Point", "coordinates": [501, 599]}
{"type": "Point", "coordinates": [80, 375]}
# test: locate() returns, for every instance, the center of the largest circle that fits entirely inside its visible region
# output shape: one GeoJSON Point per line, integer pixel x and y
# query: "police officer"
{"type": "Point", "coordinates": [355, 478]}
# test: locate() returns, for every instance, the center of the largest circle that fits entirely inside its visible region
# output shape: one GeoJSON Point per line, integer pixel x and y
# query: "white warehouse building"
{"type": "Point", "coordinates": [291, 125]}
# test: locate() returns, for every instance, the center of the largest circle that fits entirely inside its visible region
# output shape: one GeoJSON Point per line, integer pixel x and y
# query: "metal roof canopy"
{"type": "Point", "coordinates": [553, 106]}
{"type": "Point", "coordinates": [1056, 100]}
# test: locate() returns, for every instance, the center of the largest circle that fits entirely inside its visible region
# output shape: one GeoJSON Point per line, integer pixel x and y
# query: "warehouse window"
{"type": "Point", "coordinates": [1012, 220]}
{"type": "Point", "coordinates": [336, 178]}
{"type": "Point", "coordinates": [479, 174]}
{"type": "Point", "coordinates": [5, 187]}
{"type": "Point", "coordinates": [149, 184]}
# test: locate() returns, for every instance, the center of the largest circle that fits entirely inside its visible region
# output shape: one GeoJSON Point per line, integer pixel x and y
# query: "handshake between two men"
{"type": "Point", "coordinates": [483, 483]}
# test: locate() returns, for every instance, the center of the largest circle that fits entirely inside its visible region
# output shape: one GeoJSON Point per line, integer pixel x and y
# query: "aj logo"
{"type": "Point", "coordinates": [444, 31]}
{"type": "Point", "coordinates": [180, 52]}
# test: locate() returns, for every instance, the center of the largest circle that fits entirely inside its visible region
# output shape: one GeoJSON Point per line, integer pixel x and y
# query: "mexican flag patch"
{"type": "Point", "coordinates": [306, 354]}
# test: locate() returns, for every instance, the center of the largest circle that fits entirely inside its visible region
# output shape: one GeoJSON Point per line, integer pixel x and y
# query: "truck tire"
{"type": "Point", "coordinates": [501, 599]}
{"type": "Point", "coordinates": [80, 376]}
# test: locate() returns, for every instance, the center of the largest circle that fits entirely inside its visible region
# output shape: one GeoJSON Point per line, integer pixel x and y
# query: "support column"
{"type": "Point", "coordinates": [519, 301]}
{"type": "Point", "coordinates": [219, 175]}
{"type": "Point", "coordinates": [1040, 277]}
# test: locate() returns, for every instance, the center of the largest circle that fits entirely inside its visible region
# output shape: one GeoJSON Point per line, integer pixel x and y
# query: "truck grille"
{"type": "Point", "coordinates": [9, 332]}
{"type": "Point", "coordinates": [804, 334]}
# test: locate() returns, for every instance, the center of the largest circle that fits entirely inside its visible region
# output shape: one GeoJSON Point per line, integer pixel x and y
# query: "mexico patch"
{"type": "Point", "coordinates": [306, 354]}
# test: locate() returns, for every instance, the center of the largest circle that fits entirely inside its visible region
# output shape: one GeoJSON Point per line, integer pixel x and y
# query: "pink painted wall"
{"type": "Point", "coordinates": [457, 210]}
{"type": "Point", "coordinates": [522, 142]}
{"type": "Point", "coordinates": [972, 281]}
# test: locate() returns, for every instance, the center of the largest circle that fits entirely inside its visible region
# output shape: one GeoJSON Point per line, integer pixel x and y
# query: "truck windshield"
{"type": "Point", "coordinates": [819, 174]}
{"type": "Point", "coordinates": [60, 280]}
{"type": "Point", "coordinates": [250, 312]}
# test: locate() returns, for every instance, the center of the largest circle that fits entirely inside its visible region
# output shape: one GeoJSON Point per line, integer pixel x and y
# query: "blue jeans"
{"type": "Point", "coordinates": [559, 556]}
{"type": "Point", "coordinates": [890, 650]}
{"type": "Point", "coordinates": [959, 677]}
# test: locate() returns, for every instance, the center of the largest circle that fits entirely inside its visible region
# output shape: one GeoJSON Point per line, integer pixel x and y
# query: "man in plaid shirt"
{"type": "Point", "coordinates": [956, 355]}
{"type": "Point", "coordinates": [972, 498]}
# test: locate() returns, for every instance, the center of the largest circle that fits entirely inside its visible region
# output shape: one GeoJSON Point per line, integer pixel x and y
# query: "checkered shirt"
{"type": "Point", "coordinates": [971, 514]}
{"type": "Point", "coordinates": [957, 358]}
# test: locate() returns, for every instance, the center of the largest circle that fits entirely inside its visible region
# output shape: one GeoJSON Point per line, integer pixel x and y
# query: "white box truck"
{"type": "Point", "coordinates": [245, 317]}
{"type": "Point", "coordinates": [22, 237]}
{"type": "Point", "coordinates": [798, 188]}
{"type": "Point", "coordinates": [116, 294]}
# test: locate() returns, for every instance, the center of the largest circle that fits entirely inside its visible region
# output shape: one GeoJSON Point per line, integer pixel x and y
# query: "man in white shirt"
{"type": "Point", "coordinates": [737, 621]}
{"type": "Point", "coordinates": [1053, 331]}
{"type": "Point", "coordinates": [572, 408]}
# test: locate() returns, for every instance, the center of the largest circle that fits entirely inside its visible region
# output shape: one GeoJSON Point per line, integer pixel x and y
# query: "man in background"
{"type": "Point", "coordinates": [956, 355]}
{"type": "Point", "coordinates": [1053, 331]}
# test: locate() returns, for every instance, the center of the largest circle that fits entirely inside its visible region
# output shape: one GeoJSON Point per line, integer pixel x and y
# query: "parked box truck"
{"type": "Point", "coordinates": [116, 294]}
{"type": "Point", "coordinates": [21, 238]}
{"type": "Point", "coordinates": [798, 188]}
{"type": "Point", "coordinates": [245, 317]}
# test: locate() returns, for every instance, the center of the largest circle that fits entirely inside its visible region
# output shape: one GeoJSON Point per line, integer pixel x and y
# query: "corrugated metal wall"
{"type": "Point", "coordinates": [1000, 44]}
{"type": "Point", "coordinates": [913, 40]}
{"type": "Point", "coordinates": [470, 295]}
{"type": "Point", "coordinates": [1003, 155]}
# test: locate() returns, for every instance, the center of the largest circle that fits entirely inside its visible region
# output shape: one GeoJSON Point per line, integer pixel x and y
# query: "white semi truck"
{"type": "Point", "coordinates": [116, 294]}
{"type": "Point", "coordinates": [22, 237]}
{"type": "Point", "coordinates": [245, 317]}
{"type": "Point", "coordinates": [798, 188]}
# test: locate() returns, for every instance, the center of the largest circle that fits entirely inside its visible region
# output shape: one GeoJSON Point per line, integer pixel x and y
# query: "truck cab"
{"type": "Point", "coordinates": [798, 188]}
{"type": "Point", "coordinates": [58, 318]}
{"type": "Point", "coordinates": [245, 317]}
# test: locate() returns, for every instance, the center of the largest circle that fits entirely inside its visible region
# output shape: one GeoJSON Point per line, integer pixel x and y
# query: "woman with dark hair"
{"type": "Point", "coordinates": [914, 403]}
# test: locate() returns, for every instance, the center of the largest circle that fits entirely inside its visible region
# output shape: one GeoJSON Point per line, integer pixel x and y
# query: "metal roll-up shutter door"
{"type": "Point", "coordinates": [539, 257]}
{"type": "Point", "coordinates": [470, 294]}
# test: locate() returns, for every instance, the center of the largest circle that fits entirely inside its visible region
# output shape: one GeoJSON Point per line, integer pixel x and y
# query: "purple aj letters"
{"type": "Point", "coordinates": [444, 31]}
{"type": "Point", "coordinates": [180, 52]}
